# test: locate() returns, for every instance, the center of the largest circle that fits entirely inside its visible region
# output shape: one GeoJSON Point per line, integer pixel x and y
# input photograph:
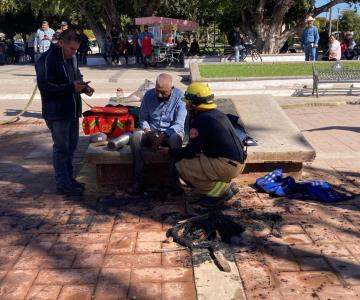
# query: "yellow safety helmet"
{"type": "Point", "coordinates": [200, 95]}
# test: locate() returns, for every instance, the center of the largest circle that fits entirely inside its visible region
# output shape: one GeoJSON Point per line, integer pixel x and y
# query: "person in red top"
{"type": "Point", "coordinates": [146, 47]}
{"type": "Point", "coordinates": [343, 46]}
{"type": "Point", "coordinates": [348, 45]}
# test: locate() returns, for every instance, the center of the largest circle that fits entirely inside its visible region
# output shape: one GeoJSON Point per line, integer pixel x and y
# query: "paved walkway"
{"type": "Point", "coordinates": [317, 256]}
{"type": "Point", "coordinates": [52, 248]}
{"type": "Point", "coordinates": [108, 247]}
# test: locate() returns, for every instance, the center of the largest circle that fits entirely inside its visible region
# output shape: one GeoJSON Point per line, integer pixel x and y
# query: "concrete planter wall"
{"type": "Point", "coordinates": [276, 86]}
{"type": "Point", "coordinates": [288, 57]}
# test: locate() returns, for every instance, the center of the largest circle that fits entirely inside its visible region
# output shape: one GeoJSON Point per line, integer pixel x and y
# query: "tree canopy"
{"type": "Point", "coordinates": [270, 22]}
{"type": "Point", "coordinates": [350, 21]}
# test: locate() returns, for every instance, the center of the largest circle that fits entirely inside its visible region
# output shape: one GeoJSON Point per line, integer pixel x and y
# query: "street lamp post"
{"type": "Point", "coordinates": [329, 21]}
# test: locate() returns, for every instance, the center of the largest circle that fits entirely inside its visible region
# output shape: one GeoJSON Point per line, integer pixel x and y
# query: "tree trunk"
{"type": "Point", "coordinates": [100, 19]}
{"type": "Point", "coordinates": [100, 34]}
{"type": "Point", "coordinates": [111, 14]}
{"type": "Point", "coordinates": [267, 31]}
{"type": "Point", "coordinates": [97, 28]}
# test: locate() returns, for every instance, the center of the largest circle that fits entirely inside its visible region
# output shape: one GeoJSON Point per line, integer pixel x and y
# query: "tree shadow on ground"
{"type": "Point", "coordinates": [26, 219]}
{"type": "Point", "coordinates": [25, 75]}
{"type": "Point", "coordinates": [27, 114]}
{"type": "Point", "coordinates": [345, 128]}
{"type": "Point", "coordinates": [28, 213]}
{"type": "Point", "coordinates": [307, 92]}
{"type": "Point", "coordinates": [347, 182]}
{"type": "Point", "coordinates": [32, 213]}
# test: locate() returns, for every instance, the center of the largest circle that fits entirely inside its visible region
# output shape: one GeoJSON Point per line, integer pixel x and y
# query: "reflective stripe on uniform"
{"type": "Point", "coordinates": [217, 189]}
{"type": "Point", "coordinates": [92, 124]}
{"type": "Point", "coordinates": [119, 124]}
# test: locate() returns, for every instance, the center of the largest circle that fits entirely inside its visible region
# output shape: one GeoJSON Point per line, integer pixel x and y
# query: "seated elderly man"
{"type": "Point", "coordinates": [162, 117]}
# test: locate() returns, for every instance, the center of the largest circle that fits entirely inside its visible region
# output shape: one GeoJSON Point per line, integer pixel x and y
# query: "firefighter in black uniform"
{"type": "Point", "coordinates": [214, 155]}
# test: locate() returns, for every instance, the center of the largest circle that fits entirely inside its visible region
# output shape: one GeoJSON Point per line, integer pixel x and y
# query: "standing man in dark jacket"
{"type": "Point", "coordinates": [60, 84]}
{"type": "Point", "coordinates": [215, 155]}
{"type": "Point", "coordinates": [137, 46]}
{"type": "Point", "coordinates": [236, 41]}
{"type": "Point", "coordinates": [83, 48]}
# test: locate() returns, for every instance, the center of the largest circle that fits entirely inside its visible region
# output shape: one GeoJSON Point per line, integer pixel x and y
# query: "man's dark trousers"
{"type": "Point", "coordinates": [138, 141]}
{"type": "Point", "coordinates": [65, 135]}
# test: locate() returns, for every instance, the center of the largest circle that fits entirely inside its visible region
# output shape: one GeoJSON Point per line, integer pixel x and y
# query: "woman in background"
{"type": "Point", "coordinates": [334, 48]}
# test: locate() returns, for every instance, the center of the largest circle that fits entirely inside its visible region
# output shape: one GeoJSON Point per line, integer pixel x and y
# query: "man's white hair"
{"type": "Point", "coordinates": [163, 79]}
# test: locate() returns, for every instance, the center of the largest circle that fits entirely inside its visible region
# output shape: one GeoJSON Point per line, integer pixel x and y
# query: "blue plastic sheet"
{"type": "Point", "coordinates": [274, 183]}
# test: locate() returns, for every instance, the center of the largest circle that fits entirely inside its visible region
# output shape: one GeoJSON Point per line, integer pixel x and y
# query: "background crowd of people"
{"type": "Point", "coordinates": [117, 45]}
{"type": "Point", "coordinates": [140, 44]}
{"type": "Point", "coordinates": [346, 49]}
{"type": "Point", "coordinates": [37, 43]}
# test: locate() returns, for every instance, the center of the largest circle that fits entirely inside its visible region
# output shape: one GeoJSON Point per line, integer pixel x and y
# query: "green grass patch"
{"type": "Point", "coordinates": [258, 70]}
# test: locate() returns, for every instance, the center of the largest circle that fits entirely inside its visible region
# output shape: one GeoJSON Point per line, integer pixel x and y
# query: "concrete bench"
{"type": "Point", "coordinates": [280, 142]}
{"type": "Point", "coordinates": [228, 50]}
{"type": "Point", "coordinates": [280, 145]}
{"type": "Point", "coordinates": [115, 167]}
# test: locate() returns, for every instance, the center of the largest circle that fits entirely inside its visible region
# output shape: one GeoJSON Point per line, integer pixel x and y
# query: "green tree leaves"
{"type": "Point", "coordinates": [350, 21]}
{"type": "Point", "coordinates": [271, 22]}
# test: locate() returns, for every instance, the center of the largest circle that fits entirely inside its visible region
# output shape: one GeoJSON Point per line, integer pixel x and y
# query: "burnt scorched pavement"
{"type": "Point", "coordinates": [221, 228]}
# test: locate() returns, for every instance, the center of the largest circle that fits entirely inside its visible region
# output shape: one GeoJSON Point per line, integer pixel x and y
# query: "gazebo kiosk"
{"type": "Point", "coordinates": [164, 29]}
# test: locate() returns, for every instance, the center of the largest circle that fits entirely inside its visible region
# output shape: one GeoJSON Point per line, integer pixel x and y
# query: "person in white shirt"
{"type": "Point", "coordinates": [43, 38]}
{"type": "Point", "coordinates": [334, 48]}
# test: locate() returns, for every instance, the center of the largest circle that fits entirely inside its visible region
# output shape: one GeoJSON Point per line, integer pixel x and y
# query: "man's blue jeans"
{"type": "Point", "coordinates": [310, 52]}
{"type": "Point", "coordinates": [65, 135]}
{"type": "Point", "coordinates": [239, 52]}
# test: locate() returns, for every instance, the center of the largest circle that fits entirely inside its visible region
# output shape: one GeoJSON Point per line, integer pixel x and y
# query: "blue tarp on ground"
{"type": "Point", "coordinates": [274, 183]}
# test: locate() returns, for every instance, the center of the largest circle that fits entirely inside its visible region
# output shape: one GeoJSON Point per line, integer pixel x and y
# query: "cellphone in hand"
{"type": "Point", "coordinates": [87, 89]}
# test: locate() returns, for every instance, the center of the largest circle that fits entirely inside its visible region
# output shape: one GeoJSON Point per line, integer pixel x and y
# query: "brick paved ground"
{"type": "Point", "coordinates": [53, 248]}
{"type": "Point", "coordinates": [318, 256]}
{"type": "Point", "coordinates": [57, 249]}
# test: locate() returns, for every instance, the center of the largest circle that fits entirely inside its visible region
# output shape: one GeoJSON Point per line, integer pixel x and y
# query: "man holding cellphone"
{"type": "Point", "coordinates": [60, 83]}
{"type": "Point", "coordinates": [43, 38]}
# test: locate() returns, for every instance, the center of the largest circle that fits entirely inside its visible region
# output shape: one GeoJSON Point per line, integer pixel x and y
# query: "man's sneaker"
{"type": "Point", "coordinates": [69, 191]}
{"type": "Point", "coordinates": [135, 189]}
{"type": "Point", "coordinates": [77, 184]}
{"type": "Point", "coordinates": [207, 201]}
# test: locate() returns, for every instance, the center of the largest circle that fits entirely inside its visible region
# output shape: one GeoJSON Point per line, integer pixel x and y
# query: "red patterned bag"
{"type": "Point", "coordinates": [110, 110]}
{"type": "Point", "coordinates": [114, 121]}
